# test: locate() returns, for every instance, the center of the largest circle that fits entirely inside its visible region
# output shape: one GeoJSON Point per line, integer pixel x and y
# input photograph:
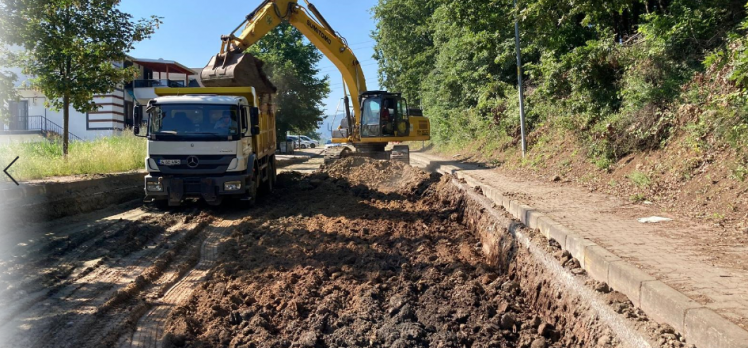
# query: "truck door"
{"type": "Point", "coordinates": [246, 140]}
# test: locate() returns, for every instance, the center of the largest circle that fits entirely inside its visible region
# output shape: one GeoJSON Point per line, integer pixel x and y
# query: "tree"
{"type": "Point", "coordinates": [72, 48]}
{"type": "Point", "coordinates": [291, 64]}
{"type": "Point", "coordinates": [7, 85]}
{"type": "Point", "coordinates": [404, 45]}
{"type": "Point", "coordinates": [7, 93]}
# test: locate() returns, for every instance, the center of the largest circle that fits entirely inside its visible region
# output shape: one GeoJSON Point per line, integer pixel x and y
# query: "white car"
{"type": "Point", "coordinates": [302, 143]}
{"type": "Point", "coordinates": [311, 143]}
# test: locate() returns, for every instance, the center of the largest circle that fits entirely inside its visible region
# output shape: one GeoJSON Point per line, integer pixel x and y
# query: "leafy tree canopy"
{"type": "Point", "coordinates": [291, 64]}
{"type": "Point", "coordinates": [601, 69]}
{"type": "Point", "coordinates": [72, 48]}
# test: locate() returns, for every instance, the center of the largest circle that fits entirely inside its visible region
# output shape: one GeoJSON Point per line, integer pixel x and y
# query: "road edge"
{"type": "Point", "coordinates": [56, 199]}
{"type": "Point", "coordinates": [698, 324]}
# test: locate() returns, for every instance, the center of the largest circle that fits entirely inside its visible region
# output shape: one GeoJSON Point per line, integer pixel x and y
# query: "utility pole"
{"type": "Point", "coordinates": [519, 80]}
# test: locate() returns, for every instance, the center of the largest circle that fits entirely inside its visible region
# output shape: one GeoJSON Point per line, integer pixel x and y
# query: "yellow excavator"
{"type": "Point", "coordinates": [379, 117]}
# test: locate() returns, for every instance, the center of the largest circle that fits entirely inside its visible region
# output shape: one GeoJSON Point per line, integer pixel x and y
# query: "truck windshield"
{"type": "Point", "coordinates": [195, 120]}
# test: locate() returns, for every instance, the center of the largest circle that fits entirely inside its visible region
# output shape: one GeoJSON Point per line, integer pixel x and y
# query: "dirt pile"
{"type": "Point", "coordinates": [358, 268]}
{"type": "Point", "coordinates": [381, 175]}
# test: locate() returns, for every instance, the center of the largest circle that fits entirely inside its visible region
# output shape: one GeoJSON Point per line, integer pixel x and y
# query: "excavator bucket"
{"type": "Point", "coordinates": [236, 70]}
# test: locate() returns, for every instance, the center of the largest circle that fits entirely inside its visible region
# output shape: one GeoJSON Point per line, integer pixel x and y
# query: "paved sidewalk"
{"type": "Point", "coordinates": [683, 254]}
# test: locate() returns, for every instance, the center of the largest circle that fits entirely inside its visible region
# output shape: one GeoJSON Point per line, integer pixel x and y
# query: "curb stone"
{"type": "Point", "coordinates": [665, 304]}
{"type": "Point", "coordinates": [700, 325]}
{"type": "Point", "coordinates": [598, 261]}
{"type": "Point", "coordinates": [627, 279]}
{"type": "Point", "coordinates": [721, 334]}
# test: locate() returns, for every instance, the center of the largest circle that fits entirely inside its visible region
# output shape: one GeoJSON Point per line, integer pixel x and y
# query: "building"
{"type": "Point", "coordinates": [30, 119]}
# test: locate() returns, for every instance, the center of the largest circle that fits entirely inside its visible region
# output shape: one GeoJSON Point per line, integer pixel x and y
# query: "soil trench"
{"type": "Point", "coordinates": [361, 253]}
{"type": "Point", "coordinates": [369, 253]}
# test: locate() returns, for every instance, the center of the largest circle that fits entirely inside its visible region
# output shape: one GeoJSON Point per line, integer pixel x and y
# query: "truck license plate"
{"type": "Point", "coordinates": [169, 162]}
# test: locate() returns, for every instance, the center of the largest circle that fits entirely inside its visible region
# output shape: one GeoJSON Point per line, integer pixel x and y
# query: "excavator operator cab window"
{"type": "Point", "coordinates": [384, 116]}
{"type": "Point", "coordinates": [388, 116]}
{"type": "Point", "coordinates": [370, 118]}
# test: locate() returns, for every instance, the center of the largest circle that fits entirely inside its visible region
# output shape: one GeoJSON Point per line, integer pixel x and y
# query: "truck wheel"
{"type": "Point", "coordinates": [272, 175]}
{"type": "Point", "coordinates": [158, 204]}
{"type": "Point", "coordinates": [252, 193]}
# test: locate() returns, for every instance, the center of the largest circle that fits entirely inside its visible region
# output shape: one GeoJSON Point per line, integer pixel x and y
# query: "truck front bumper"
{"type": "Point", "coordinates": [176, 188]}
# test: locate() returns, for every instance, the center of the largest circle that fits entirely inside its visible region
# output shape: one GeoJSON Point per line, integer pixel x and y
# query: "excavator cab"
{"type": "Point", "coordinates": [383, 115]}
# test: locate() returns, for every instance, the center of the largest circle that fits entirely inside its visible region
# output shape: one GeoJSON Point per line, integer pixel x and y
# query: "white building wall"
{"type": "Point", "coordinates": [78, 125]}
{"type": "Point", "coordinates": [111, 116]}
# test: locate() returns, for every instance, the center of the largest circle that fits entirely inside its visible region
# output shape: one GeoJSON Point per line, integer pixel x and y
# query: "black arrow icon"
{"type": "Point", "coordinates": [6, 170]}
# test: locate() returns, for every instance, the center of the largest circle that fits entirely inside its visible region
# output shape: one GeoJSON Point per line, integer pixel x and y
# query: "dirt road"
{"type": "Point", "coordinates": [364, 253]}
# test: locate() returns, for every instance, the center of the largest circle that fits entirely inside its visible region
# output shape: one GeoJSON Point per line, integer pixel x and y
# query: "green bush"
{"type": "Point", "coordinates": [639, 179]}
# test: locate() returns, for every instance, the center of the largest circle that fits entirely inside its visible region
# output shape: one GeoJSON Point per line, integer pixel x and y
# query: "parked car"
{"type": "Point", "coordinates": [301, 143]}
{"type": "Point", "coordinates": [311, 142]}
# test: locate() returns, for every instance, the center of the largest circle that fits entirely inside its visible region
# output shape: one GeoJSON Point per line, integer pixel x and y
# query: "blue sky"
{"type": "Point", "coordinates": [192, 29]}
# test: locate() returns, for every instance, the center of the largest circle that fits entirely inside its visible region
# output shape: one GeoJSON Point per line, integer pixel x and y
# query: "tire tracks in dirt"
{"type": "Point", "coordinates": [150, 327]}
{"type": "Point", "coordinates": [58, 317]}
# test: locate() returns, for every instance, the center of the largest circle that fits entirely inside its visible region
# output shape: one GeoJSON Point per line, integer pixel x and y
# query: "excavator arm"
{"type": "Point", "coordinates": [222, 70]}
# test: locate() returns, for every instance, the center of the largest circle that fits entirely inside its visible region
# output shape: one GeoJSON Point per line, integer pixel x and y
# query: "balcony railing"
{"type": "Point", "coordinates": [158, 83]}
{"type": "Point", "coordinates": [36, 123]}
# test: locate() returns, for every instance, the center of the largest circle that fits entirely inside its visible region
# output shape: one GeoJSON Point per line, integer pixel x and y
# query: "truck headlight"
{"type": "Point", "coordinates": [154, 186]}
{"type": "Point", "coordinates": [232, 185]}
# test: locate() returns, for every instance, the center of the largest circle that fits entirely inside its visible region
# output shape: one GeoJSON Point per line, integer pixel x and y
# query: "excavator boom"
{"type": "Point", "coordinates": [387, 118]}
{"type": "Point", "coordinates": [232, 68]}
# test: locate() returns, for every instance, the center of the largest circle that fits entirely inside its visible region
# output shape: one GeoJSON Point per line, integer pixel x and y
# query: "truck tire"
{"type": "Point", "coordinates": [252, 192]}
{"type": "Point", "coordinates": [272, 174]}
{"type": "Point", "coordinates": [251, 199]}
{"type": "Point", "coordinates": [158, 205]}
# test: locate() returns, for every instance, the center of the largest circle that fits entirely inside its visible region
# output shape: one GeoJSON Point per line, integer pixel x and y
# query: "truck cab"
{"type": "Point", "coordinates": [209, 145]}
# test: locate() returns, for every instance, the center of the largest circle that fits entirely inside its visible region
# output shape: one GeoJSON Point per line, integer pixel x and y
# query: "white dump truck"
{"type": "Point", "coordinates": [208, 143]}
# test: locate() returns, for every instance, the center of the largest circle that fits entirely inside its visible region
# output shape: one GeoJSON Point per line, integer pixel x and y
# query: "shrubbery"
{"type": "Point", "coordinates": [613, 74]}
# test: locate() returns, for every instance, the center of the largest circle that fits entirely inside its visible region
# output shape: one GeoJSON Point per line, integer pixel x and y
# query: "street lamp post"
{"type": "Point", "coordinates": [519, 80]}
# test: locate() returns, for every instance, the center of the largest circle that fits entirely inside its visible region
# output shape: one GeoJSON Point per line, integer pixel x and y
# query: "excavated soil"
{"type": "Point", "coordinates": [359, 255]}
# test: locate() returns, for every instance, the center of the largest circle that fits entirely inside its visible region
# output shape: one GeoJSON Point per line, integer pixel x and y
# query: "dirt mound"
{"type": "Point", "coordinates": [381, 175]}
{"type": "Point", "coordinates": [358, 268]}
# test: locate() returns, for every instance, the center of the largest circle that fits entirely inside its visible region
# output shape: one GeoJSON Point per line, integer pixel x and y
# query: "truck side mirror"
{"type": "Point", "coordinates": [137, 121]}
{"type": "Point", "coordinates": [254, 120]}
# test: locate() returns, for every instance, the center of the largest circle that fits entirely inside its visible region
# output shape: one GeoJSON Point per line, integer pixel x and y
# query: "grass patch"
{"type": "Point", "coordinates": [740, 172]}
{"type": "Point", "coordinates": [639, 179]}
{"type": "Point", "coordinates": [637, 198]}
{"type": "Point", "coordinates": [103, 155]}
